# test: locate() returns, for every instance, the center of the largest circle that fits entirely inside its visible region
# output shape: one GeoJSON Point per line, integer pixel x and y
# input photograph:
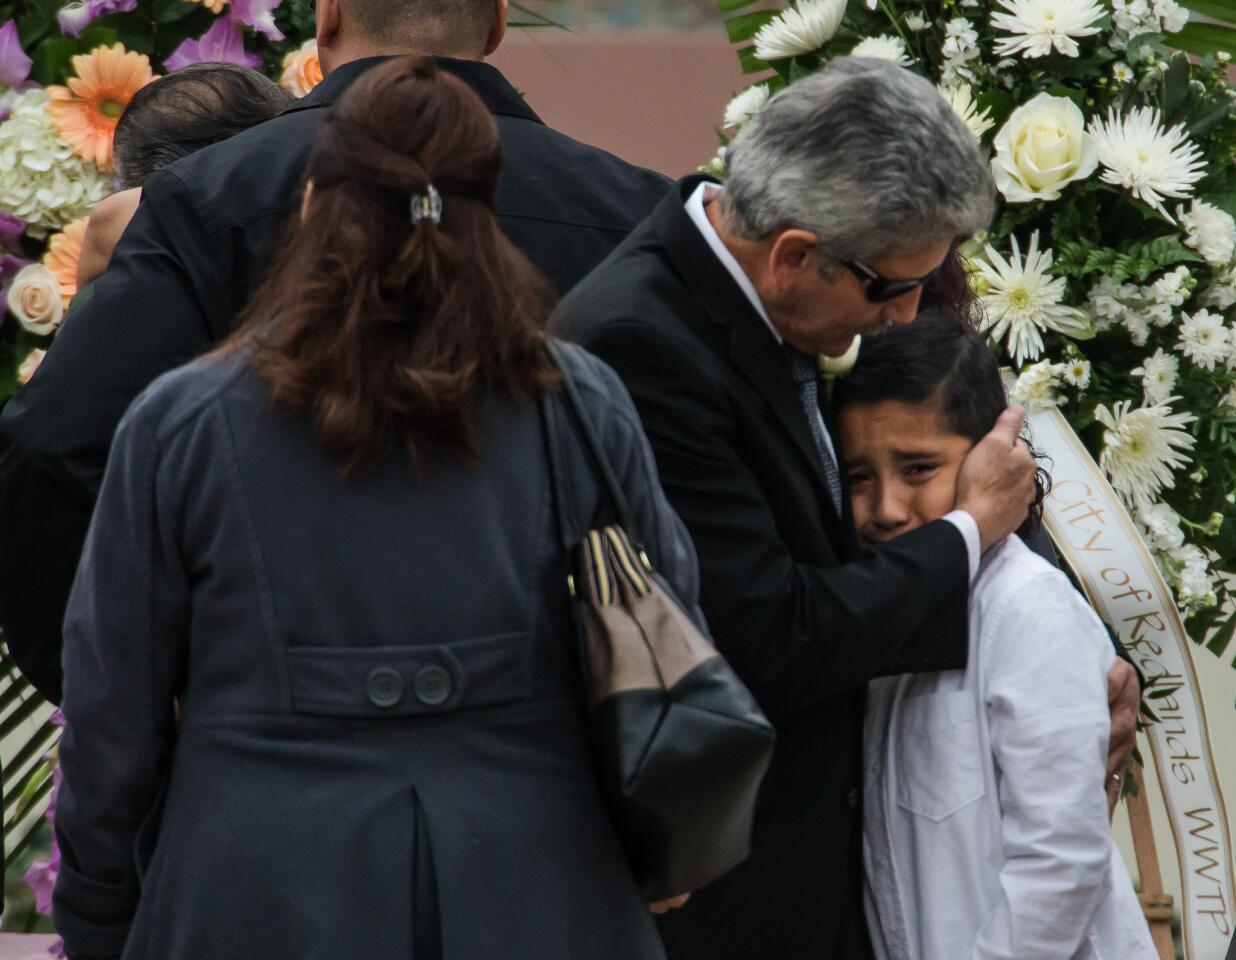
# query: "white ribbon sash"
{"type": "Point", "coordinates": [1097, 538]}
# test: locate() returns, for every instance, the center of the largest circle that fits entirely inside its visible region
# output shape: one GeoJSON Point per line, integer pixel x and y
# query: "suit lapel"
{"type": "Point", "coordinates": [753, 350]}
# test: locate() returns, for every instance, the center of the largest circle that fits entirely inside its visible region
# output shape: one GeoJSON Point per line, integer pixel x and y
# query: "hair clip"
{"type": "Point", "coordinates": [427, 206]}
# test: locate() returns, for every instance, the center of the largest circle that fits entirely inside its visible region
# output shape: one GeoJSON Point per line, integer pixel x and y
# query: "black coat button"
{"type": "Point", "coordinates": [432, 685]}
{"type": "Point", "coordinates": [385, 687]}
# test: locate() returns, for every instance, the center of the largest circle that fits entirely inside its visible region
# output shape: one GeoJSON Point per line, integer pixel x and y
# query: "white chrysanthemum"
{"type": "Point", "coordinates": [803, 28]}
{"type": "Point", "coordinates": [1204, 339]}
{"type": "Point", "coordinates": [1162, 526]}
{"type": "Point", "coordinates": [1143, 447]}
{"type": "Point", "coordinates": [882, 48]}
{"type": "Point", "coordinates": [1038, 386]}
{"type": "Point", "coordinates": [916, 22]}
{"type": "Point", "coordinates": [961, 98]}
{"type": "Point", "coordinates": [746, 105]}
{"type": "Point", "coordinates": [1076, 373]}
{"type": "Point", "coordinates": [42, 180]}
{"type": "Point", "coordinates": [1038, 26]}
{"type": "Point", "coordinates": [1023, 300]}
{"type": "Point", "coordinates": [1209, 230]}
{"type": "Point", "coordinates": [1122, 72]}
{"type": "Point", "coordinates": [1150, 162]}
{"type": "Point", "coordinates": [1159, 373]}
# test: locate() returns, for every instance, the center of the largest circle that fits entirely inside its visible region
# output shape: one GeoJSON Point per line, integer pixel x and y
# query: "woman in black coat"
{"type": "Point", "coordinates": [330, 547]}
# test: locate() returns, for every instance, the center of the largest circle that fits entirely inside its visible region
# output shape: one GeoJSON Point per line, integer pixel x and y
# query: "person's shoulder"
{"type": "Point", "coordinates": [180, 396]}
{"type": "Point", "coordinates": [548, 175]}
{"type": "Point", "coordinates": [1011, 570]}
{"type": "Point", "coordinates": [244, 177]}
{"type": "Point", "coordinates": [1022, 599]}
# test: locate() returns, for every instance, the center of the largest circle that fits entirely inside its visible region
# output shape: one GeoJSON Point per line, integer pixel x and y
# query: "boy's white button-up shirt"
{"type": "Point", "coordinates": [986, 834]}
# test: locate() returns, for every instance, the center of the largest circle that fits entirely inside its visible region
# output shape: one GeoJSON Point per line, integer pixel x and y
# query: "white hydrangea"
{"type": "Point", "coordinates": [746, 105]}
{"type": "Point", "coordinates": [1110, 302]}
{"type": "Point", "coordinates": [1209, 230]}
{"type": "Point", "coordinates": [1222, 293]}
{"type": "Point", "coordinates": [1159, 373]}
{"type": "Point", "coordinates": [42, 180]}
{"type": "Point", "coordinates": [1162, 526]}
{"type": "Point", "coordinates": [960, 51]}
{"type": "Point", "coordinates": [1172, 289]}
{"type": "Point", "coordinates": [1204, 339]}
{"type": "Point", "coordinates": [1037, 388]}
{"type": "Point", "coordinates": [1137, 322]}
{"type": "Point", "coordinates": [1195, 586]}
{"type": "Point", "coordinates": [1132, 18]}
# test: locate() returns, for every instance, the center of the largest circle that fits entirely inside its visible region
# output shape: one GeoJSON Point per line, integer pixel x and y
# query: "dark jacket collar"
{"type": "Point", "coordinates": [499, 97]}
{"type": "Point", "coordinates": [753, 348]}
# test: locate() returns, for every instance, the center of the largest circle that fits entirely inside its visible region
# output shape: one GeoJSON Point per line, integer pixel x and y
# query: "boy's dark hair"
{"type": "Point", "coordinates": [939, 360]}
{"type": "Point", "coordinates": [187, 110]}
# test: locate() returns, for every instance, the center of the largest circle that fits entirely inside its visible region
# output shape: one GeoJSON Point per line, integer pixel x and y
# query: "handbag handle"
{"type": "Point", "coordinates": [569, 531]}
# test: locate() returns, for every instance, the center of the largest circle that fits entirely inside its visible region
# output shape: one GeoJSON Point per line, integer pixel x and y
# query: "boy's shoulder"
{"type": "Point", "coordinates": [1022, 598]}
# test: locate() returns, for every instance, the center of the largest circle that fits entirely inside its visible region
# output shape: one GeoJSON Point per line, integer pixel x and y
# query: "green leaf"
{"type": "Point", "coordinates": [1174, 89]}
{"type": "Point", "coordinates": [1221, 10]}
{"type": "Point", "coordinates": [1222, 638]}
{"type": "Point", "coordinates": [1203, 38]}
{"type": "Point", "coordinates": [747, 25]}
{"type": "Point", "coordinates": [53, 60]}
{"type": "Point", "coordinates": [750, 62]}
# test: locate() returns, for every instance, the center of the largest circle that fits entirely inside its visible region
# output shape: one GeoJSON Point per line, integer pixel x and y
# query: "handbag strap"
{"type": "Point", "coordinates": [569, 530]}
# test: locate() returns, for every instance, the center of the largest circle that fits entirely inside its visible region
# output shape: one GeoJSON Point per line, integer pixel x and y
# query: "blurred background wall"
{"type": "Point", "coordinates": [645, 80]}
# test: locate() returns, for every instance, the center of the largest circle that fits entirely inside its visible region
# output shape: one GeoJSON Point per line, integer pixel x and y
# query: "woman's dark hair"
{"type": "Point", "coordinates": [187, 110]}
{"type": "Point", "coordinates": [940, 361]}
{"type": "Point", "coordinates": [387, 333]}
{"type": "Point", "coordinates": [949, 290]}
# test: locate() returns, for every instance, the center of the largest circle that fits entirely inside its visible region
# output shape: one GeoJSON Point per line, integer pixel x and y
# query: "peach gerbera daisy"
{"type": "Point", "coordinates": [63, 251]}
{"type": "Point", "coordinates": [85, 112]}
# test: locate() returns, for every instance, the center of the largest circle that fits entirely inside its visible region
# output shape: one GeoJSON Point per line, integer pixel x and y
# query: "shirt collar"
{"type": "Point", "coordinates": [705, 193]}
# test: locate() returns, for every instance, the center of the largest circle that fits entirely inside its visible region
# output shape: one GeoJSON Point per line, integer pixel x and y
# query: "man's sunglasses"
{"type": "Point", "coordinates": [879, 288]}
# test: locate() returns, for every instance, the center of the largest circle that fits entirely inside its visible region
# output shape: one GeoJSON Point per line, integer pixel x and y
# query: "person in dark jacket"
{"type": "Point", "coordinates": [197, 248]}
{"type": "Point", "coordinates": [186, 111]}
{"type": "Point", "coordinates": [844, 200]}
{"type": "Point", "coordinates": [330, 543]}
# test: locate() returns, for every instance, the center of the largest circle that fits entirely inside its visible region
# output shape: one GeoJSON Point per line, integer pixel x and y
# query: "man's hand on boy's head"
{"type": "Point", "coordinates": [996, 483]}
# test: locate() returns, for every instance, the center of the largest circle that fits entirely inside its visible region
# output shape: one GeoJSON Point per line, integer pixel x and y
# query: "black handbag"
{"type": "Point", "coordinates": [680, 745]}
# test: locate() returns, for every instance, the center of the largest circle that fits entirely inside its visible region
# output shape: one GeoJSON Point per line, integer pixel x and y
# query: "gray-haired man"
{"type": "Point", "coordinates": [845, 199]}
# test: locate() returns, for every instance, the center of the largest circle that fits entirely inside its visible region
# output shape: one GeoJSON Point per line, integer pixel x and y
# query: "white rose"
{"type": "Point", "coordinates": [1043, 147]}
{"type": "Point", "coordinates": [34, 299]}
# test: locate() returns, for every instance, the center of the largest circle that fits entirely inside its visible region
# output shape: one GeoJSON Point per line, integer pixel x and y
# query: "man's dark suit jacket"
{"type": "Point", "coordinates": [205, 231]}
{"type": "Point", "coordinates": [803, 620]}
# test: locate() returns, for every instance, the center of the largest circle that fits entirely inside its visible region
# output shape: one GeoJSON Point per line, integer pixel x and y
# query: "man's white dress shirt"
{"type": "Point", "coordinates": [704, 194]}
{"type": "Point", "coordinates": [985, 824]}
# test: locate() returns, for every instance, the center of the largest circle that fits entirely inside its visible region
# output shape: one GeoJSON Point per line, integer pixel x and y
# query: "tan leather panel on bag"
{"type": "Point", "coordinates": [635, 636]}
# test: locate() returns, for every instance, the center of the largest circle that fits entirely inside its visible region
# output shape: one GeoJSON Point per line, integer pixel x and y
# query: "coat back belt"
{"type": "Point", "coordinates": [406, 681]}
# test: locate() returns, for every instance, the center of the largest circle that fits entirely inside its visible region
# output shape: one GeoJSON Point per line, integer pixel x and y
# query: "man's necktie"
{"type": "Point", "coordinates": [807, 378]}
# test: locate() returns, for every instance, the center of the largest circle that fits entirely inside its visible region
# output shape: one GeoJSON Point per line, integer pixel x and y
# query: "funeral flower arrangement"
{"type": "Point", "coordinates": [67, 70]}
{"type": "Point", "coordinates": [1108, 279]}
